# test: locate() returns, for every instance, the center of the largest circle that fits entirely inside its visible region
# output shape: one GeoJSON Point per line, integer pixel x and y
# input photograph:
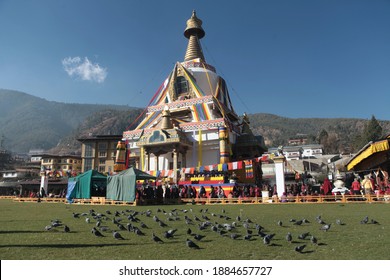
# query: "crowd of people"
{"type": "Point", "coordinates": [172, 191]}
{"type": "Point", "coordinates": [354, 186]}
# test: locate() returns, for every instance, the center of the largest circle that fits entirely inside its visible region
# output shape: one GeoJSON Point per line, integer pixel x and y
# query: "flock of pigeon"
{"type": "Point", "coordinates": [117, 223]}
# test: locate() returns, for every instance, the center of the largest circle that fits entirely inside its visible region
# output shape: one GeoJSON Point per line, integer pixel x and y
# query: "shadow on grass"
{"type": "Point", "coordinates": [35, 231]}
{"type": "Point", "coordinates": [307, 252]}
{"type": "Point", "coordinates": [63, 245]}
{"type": "Point", "coordinates": [20, 231]}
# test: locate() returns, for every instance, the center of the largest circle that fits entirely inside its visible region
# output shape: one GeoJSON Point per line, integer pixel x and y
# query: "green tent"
{"type": "Point", "coordinates": [86, 185]}
{"type": "Point", "coordinates": [122, 186]}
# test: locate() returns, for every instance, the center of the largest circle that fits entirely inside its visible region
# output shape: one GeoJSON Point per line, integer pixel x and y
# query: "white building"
{"type": "Point", "coordinates": [312, 150]}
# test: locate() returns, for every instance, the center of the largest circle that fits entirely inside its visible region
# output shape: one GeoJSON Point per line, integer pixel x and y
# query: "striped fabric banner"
{"type": "Point", "coordinates": [201, 112]}
{"type": "Point", "coordinates": [188, 170]}
{"type": "Point", "coordinates": [235, 165]}
{"type": "Point", "coordinates": [211, 167]}
{"type": "Point", "coordinates": [198, 91]}
{"type": "Point", "coordinates": [248, 168]}
{"type": "Point", "coordinates": [223, 167]}
{"type": "Point", "coordinates": [162, 92]}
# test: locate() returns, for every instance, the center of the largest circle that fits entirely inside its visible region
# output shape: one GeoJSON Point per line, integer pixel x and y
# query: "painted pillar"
{"type": "Point", "coordinates": [142, 155]}
{"type": "Point", "coordinates": [156, 163]}
{"type": "Point", "coordinates": [44, 183]}
{"type": "Point", "coordinates": [174, 166]}
{"type": "Point", "coordinates": [224, 156]}
{"type": "Point", "coordinates": [147, 160]}
{"type": "Point", "coordinates": [120, 158]}
{"type": "Point", "coordinates": [279, 173]}
{"type": "Point", "coordinates": [200, 148]}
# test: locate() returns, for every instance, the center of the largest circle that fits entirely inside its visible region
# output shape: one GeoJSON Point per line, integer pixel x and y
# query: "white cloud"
{"type": "Point", "coordinates": [85, 70]}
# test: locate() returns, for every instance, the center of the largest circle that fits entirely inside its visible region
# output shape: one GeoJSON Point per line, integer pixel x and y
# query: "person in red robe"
{"type": "Point", "coordinates": [326, 187]}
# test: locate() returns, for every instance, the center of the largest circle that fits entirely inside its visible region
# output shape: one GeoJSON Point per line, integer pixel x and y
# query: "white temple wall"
{"type": "Point", "coordinates": [163, 162]}
{"type": "Point", "coordinates": [210, 155]}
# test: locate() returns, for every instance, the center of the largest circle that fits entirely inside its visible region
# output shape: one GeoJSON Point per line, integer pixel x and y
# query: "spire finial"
{"type": "Point", "coordinates": [194, 32]}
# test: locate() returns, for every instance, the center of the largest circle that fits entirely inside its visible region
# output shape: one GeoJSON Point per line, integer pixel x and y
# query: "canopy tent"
{"type": "Point", "coordinates": [372, 155]}
{"type": "Point", "coordinates": [122, 186]}
{"type": "Point", "coordinates": [87, 184]}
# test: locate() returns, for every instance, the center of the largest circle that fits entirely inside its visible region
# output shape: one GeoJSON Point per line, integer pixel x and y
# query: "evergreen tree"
{"type": "Point", "coordinates": [323, 136]}
{"type": "Point", "coordinates": [372, 131]}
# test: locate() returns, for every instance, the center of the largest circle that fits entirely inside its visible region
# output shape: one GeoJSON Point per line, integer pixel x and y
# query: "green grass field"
{"type": "Point", "coordinates": [23, 235]}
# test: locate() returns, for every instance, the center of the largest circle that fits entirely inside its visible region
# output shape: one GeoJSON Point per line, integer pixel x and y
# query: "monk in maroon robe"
{"type": "Point", "coordinates": [326, 186]}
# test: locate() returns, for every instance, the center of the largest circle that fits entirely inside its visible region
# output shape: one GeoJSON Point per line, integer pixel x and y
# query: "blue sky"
{"type": "Point", "coordinates": [304, 58]}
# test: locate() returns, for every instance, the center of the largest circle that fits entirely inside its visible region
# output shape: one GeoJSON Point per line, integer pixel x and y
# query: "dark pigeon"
{"type": "Point", "coordinates": [300, 248]}
{"type": "Point", "coordinates": [266, 240]}
{"type": "Point", "coordinates": [96, 232]}
{"type": "Point", "coordinates": [191, 244]}
{"type": "Point", "coordinates": [156, 239]}
{"type": "Point", "coordinates": [129, 227]}
{"type": "Point", "coordinates": [138, 231]}
{"type": "Point", "coordinates": [168, 235]}
{"type": "Point", "coordinates": [56, 224]}
{"type": "Point", "coordinates": [143, 225]}
{"type": "Point", "coordinates": [121, 227]}
{"type": "Point", "coordinates": [117, 235]}
{"type": "Point", "coordinates": [374, 222]}
{"type": "Point", "coordinates": [298, 223]}
{"type": "Point", "coordinates": [303, 235]}
{"type": "Point", "coordinates": [365, 220]}
{"type": "Point", "coordinates": [248, 237]}
{"type": "Point", "coordinates": [104, 228]}
{"type": "Point", "coordinates": [199, 237]}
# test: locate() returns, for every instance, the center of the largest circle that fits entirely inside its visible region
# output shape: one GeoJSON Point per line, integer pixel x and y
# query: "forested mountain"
{"type": "Point", "coordinates": [28, 122]}
{"type": "Point", "coordinates": [343, 135]}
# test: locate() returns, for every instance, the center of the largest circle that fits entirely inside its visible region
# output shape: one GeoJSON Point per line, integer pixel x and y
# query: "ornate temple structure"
{"type": "Point", "coordinates": [190, 125]}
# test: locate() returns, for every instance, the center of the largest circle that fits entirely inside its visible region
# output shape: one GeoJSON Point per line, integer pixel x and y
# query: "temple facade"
{"type": "Point", "coordinates": [190, 124]}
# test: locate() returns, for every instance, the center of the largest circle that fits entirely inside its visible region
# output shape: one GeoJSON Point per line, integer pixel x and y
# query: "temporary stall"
{"type": "Point", "coordinates": [122, 186]}
{"type": "Point", "coordinates": [86, 185]}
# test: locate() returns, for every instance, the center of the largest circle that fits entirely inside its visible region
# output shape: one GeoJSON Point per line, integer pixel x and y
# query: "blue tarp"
{"type": "Point", "coordinates": [71, 186]}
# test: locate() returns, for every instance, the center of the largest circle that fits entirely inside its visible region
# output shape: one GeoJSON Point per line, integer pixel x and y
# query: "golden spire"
{"type": "Point", "coordinates": [194, 32]}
